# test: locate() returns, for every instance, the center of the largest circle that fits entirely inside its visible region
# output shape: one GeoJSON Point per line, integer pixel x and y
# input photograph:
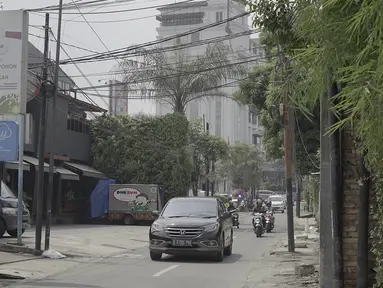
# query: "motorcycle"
{"type": "Point", "coordinates": [270, 219]}
{"type": "Point", "coordinates": [258, 224]}
{"type": "Point", "coordinates": [235, 218]}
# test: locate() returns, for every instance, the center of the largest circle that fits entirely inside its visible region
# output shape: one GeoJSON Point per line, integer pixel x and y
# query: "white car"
{"type": "Point", "coordinates": [277, 203]}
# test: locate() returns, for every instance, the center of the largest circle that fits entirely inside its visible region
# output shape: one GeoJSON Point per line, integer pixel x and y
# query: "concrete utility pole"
{"type": "Point", "coordinates": [288, 160]}
{"type": "Point", "coordinates": [53, 133]}
{"type": "Point", "coordinates": [294, 148]}
{"type": "Point", "coordinates": [325, 199]}
{"type": "Point", "coordinates": [40, 189]}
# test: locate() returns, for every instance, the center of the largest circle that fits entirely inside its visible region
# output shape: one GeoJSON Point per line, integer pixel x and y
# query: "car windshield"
{"type": "Point", "coordinates": [6, 192]}
{"type": "Point", "coordinates": [275, 198]}
{"type": "Point", "coordinates": [190, 208]}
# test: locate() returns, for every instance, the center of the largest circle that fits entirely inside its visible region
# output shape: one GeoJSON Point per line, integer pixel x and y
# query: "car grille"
{"type": "Point", "coordinates": [180, 232]}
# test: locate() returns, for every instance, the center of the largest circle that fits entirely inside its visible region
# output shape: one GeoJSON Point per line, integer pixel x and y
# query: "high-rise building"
{"type": "Point", "coordinates": [223, 116]}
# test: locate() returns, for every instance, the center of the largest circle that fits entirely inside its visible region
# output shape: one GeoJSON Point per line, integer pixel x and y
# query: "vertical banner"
{"type": "Point", "coordinates": [9, 138]}
{"type": "Point", "coordinates": [13, 61]}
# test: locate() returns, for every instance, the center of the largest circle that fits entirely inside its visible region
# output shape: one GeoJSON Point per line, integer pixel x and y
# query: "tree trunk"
{"type": "Point", "coordinates": [207, 174]}
{"type": "Point", "coordinates": [213, 182]}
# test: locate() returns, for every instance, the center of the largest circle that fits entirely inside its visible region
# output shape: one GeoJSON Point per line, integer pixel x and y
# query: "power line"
{"type": "Point", "coordinates": [69, 6]}
{"type": "Point", "coordinates": [66, 44]}
{"type": "Point", "coordinates": [103, 43]}
{"type": "Point", "coordinates": [78, 68]}
{"type": "Point", "coordinates": [118, 52]}
{"type": "Point", "coordinates": [142, 52]}
{"type": "Point", "coordinates": [109, 12]}
{"type": "Point", "coordinates": [124, 20]}
{"type": "Point", "coordinates": [177, 74]}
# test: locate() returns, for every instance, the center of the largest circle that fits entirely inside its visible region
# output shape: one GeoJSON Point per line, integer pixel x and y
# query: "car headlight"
{"type": "Point", "coordinates": [9, 211]}
{"type": "Point", "coordinates": [212, 227]}
{"type": "Point", "coordinates": [156, 227]}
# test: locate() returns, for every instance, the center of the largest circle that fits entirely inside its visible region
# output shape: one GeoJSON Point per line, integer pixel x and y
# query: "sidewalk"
{"type": "Point", "coordinates": [89, 240]}
{"type": "Point", "coordinates": [290, 270]}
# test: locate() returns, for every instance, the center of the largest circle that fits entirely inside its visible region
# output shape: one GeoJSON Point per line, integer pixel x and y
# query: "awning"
{"type": "Point", "coordinates": [14, 165]}
{"type": "Point", "coordinates": [35, 162]}
{"type": "Point", "coordinates": [86, 170]}
{"type": "Point", "coordinates": [66, 174]}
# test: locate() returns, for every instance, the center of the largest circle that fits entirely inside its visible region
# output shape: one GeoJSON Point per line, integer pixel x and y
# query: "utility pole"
{"type": "Point", "coordinates": [297, 182]}
{"type": "Point", "coordinates": [40, 189]}
{"type": "Point", "coordinates": [287, 144]}
{"type": "Point", "coordinates": [53, 133]}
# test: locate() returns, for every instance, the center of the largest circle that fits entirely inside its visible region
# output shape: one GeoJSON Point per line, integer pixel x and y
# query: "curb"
{"type": "Point", "coordinates": [18, 261]}
{"type": "Point", "coordinates": [12, 248]}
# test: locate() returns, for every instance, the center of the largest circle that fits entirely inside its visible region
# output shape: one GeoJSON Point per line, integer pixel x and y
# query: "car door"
{"type": "Point", "coordinates": [226, 223]}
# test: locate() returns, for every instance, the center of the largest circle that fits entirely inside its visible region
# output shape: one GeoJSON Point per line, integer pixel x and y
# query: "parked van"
{"type": "Point", "coordinates": [8, 212]}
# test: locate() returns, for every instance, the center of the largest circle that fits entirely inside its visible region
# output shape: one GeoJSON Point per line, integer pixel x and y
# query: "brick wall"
{"type": "Point", "coordinates": [350, 212]}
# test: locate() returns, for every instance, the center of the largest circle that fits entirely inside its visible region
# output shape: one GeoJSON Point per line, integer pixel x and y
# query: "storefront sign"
{"type": "Point", "coordinates": [13, 61]}
{"type": "Point", "coordinates": [9, 132]}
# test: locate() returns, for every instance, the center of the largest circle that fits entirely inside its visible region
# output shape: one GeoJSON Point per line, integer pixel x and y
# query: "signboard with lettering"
{"type": "Point", "coordinates": [9, 133]}
{"type": "Point", "coordinates": [13, 61]}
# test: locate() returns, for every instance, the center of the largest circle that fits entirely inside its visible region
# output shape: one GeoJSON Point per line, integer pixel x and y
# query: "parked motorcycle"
{"type": "Point", "coordinates": [235, 218]}
{"type": "Point", "coordinates": [270, 220]}
{"type": "Point", "coordinates": [258, 224]}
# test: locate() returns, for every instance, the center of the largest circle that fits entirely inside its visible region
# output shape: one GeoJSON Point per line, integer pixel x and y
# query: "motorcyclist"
{"type": "Point", "coordinates": [259, 208]}
{"type": "Point", "coordinates": [268, 204]}
{"type": "Point", "coordinates": [231, 206]}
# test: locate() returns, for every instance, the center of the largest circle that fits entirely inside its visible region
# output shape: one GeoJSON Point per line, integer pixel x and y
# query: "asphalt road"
{"type": "Point", "coordinates": [244, 268]}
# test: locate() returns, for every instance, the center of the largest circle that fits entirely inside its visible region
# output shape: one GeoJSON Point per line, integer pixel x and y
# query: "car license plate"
{"type": "Point", "coordinates": [182, 243]}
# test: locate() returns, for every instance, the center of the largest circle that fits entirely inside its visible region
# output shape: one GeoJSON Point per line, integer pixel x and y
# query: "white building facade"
{"type": "Point", "coordinates": [222, 116]}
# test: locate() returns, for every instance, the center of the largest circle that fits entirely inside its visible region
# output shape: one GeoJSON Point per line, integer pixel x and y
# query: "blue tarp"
{"type": "Point", "coordinates": [99, 199]}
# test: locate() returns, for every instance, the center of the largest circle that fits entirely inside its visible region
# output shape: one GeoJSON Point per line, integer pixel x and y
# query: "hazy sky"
{"type": "Point", "coordinates": [75, 31]}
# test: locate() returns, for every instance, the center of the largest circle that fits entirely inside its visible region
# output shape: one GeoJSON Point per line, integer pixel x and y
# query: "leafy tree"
{"type": "Point", "coordinates": [342, 44]}
{"type": "Point", "coordinates": [177, 78]}
{"type": "Point", "coordinates": [241, 166]}
{"type": "Point", "coordinates": [143, 149]}
{"type": "Point", "coordinates": [206, 150]}
{"type": "Point", "coordinates": [259, 91]}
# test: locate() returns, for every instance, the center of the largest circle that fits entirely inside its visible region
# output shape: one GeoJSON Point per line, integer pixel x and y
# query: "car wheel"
{"type": "Point", "coordinates": [2, 228]}
{"type": "Point", "coordinates": [128, 220]}
{"type": "Point", "coordinates": [155, 256]}
{"type": "Point", "coordinates": [13, 233]}
{"type": "Point", "coordinates": [229, 249]}
{"type": "Point", "coordinates": [221, 253]}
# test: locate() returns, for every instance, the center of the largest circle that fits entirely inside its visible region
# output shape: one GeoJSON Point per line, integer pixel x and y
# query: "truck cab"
{"type": "Point", "coordinates": [8, 212]}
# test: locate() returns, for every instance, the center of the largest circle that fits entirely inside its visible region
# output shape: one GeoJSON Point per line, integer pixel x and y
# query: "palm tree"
{"type": "Point", "coordinates": [176, 78]}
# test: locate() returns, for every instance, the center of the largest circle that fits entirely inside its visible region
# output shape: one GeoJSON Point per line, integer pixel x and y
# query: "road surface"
{"type": "Point", "coordinates": [246, 267]}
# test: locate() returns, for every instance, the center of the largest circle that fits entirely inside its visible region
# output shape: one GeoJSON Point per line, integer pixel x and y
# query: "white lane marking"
{"type": "Point", "coordinates": [248, 230]}
{"type": "Point", "coordinates": [165, 270]}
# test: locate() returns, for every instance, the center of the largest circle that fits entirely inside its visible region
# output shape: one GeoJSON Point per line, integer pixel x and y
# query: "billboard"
{"type": "Point", "coordinates": [13, 61]}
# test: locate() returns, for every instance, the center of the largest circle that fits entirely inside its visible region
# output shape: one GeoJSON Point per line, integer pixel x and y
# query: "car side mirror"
{"type": "Point", "coordinates": [156, 213]}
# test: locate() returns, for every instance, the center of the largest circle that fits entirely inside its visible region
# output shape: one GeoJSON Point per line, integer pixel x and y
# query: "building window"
{"type": "Point", "coordinates": [195, 37]}
{"type": "Point", "coordinates": [254, 119]}
{"type": "Point", "coordinates": [255, 139]}
{"type": "Point", "coordinates": [218, 16]}
{"type": "Point", "coordinates": [77, 125]}
{"type": "Point", "coordinates": [254, 48]}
